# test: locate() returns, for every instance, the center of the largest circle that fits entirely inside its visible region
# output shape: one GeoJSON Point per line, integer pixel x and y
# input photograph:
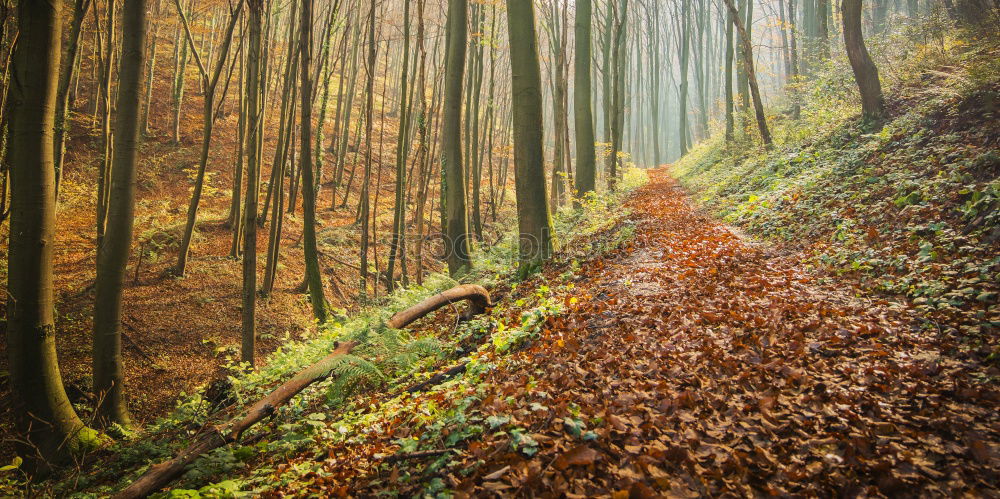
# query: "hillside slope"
{"type": "Point", "coordinates": [911, 211]}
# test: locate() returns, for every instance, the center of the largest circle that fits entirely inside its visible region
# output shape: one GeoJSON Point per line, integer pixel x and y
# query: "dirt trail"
{"type": "Point", "coordinates": [694, 363]}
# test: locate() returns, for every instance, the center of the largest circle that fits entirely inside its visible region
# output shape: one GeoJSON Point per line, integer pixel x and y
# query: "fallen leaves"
{"type": "Point", "coordinates": [730, 372]}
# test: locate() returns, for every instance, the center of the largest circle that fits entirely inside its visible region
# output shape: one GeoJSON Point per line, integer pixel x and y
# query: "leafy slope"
{"type": "Point", "coordinates": [911, 211]}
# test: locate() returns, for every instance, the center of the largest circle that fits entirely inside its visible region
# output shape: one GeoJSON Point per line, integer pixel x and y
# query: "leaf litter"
{"type": "Point", "coordinates": [690, 362]}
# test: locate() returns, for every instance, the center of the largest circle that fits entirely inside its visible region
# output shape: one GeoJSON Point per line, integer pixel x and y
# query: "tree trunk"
{"type": "Point", "coordinates": [66, 73]}
{"type": "Point", "coordinates": [865, 71]}
{"type": "Point", "coordinates": [254, 117]}
{"type": "Point", "coordinates": [534, 223]}
{"type": "Point", "coordinates": [210, 84]}
{"type": "Point", "coordinates": [758, 105]}
{"type": "Point", "coordinates": [453, 177]}
{"type": "Point", "coordinates": [586, 161]}
{"type": "Point", "coordinates": [728, 85]}
{"type": "Point", "coordinates": [313, 276]}
{"type": "Point", "coordinates": [399, 204]}
{"type": "Point", "coordinates": [114, 253]}
{"type": "Point", "coordinates": [42, 412]}
{"type": "Point", "coordinates": [104, 168]}
{"type": "Point", "coordinates": [682, 100]}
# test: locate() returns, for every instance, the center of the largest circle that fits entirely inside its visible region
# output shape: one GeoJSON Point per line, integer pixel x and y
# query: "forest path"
{"type": "Point", "coordinates": [705, 364]}
{"type": "Point", "coordinates": [691, 362]}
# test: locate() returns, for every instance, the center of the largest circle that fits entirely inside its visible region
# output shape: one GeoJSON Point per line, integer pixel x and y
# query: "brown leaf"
{"type": "Point", "coordinates": [580, 455]}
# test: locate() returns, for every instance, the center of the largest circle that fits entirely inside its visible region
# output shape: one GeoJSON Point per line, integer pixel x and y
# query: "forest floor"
{"type": "Point", "coordinates": [181, 332]}
{"type": "Point", "coordinates": [691, 362]}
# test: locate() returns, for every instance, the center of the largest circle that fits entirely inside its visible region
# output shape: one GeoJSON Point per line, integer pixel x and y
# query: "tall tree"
{"type": "Point", "coordinates": [456, 219]}
{"type": "Point", "coordinates": [617, 91]}
{"type": "Point", "coordinates": [748, 62]}
{"type": "Point", "coordinates": [586, 167]}
{"type": "Point", "coordinates": [313, 277]}
{"type": "Point", "coordinates": [42, 411]}
{"type": "Point", "coordinates": [210, 83]}
{"type": "Point", "coordinates": [728, 84]}
{"type": "Point", "coordinates": [682, 114]}
{"type": "Point", "coordinates": [113, 254]}
{"type": "Point", "coordinates": [865, 71]}
{"type": "Point", "coordinates": [534, 223]}
{"type": "Point", "coordinates": [66, 73]}
{"type": "Point", "coordinates": [399, 205]}
{"type": "Point", "coordinates": [253, 98]}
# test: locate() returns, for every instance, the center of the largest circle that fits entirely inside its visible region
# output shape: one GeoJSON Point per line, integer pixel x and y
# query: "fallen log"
{"type": "Point", "coordinates": [437, 379]}
{"type": "Point", "coordinates": [394, 458]}
{"type": "Point", "coordinates": [477, 296]}
{"type": "Point", "coordinates": [216, 436]}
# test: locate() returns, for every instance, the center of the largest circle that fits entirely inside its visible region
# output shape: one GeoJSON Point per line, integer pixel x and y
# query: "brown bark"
{"type": "Point", "coordinates": [217, 436]}
{"type": "Point", "coordinates": [478, 297]}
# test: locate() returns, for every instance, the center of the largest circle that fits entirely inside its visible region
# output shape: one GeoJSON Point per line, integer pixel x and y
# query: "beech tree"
{"type": "Point", "coordinates": [113, 254]}
{"type": "Point", "coordinates": [534, 223]}
{"type": "Point", "coordinates": [456, 225]}
{"type": "Point", "coordinates": [42, 412]}
{"type": "Point", "coordinates": [313, 277]}
{"type": "Point", "coordinates": [865, 71]}
{"type": "Point", "coordinates": [253, 98]}
{"type": "Point", "coordinates": [210, 83]}
{"type": "Point", "coordinates": [586, 167]}
{"type": "Point", "coordinates": [749, 65]}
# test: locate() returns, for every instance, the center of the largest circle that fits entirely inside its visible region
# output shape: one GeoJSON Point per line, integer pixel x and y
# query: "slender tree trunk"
{"type": "Point", "coordinates": [210, 84]}
{"type": "Point", "coordinates": [66, 73]}
{"type": "Point", "coordinates": [794, 56]}
{"type": "Point", "coordinates": [144, 124]}
{"type": "Point", "coordinates": [748, 63]}
{"type": "Point", "coordinates": [456, 221]}
{"type": "Point", "coordinates": [104, 168]}
{"type": "Point", "coordinates": [365, 200]}
{"type": "Point", "coordinates": [42, 412]}
{"type": "Point", "coordinates": [586, 160]}
{"type": "Point", "coordinates": [865, 71]}
{"type": "Point", "coordinates": [313, 276]}
{"type": "Point", "coordinates": [534, 223]}
{"type": "Point", "coordinates": [682, 115]}
{"type": "Point", "coordinates": [113, 255]}
{"type": "Point", "coordinates": [399, 205]}
{"type": "Point", "coordinates": [728, 85]}
{"type": "Point", "coordinates": [253, 99]}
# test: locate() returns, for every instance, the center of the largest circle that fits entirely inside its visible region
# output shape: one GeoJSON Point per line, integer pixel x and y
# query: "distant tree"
{"type": "Point", "coordinates": [586, 167]}
{"type": "Point", "coordinates": [67, 71]}
{"type": "Point", "coordinates": [748, 63]}
{"type": "Point", "coordinates": [210, 84]}
{"type": "Point", "coordinates": [682, 95]}
{"type": "Point", "coordinates": [728, 83]}
{"type": "Point", "coordinates": [455, 216]}
{"type": "Point", "coordinates": [42, 412]}
{"type": "Point", "coordinates": [865, 71]}
{"type": "Point", "coordinates": [534, 223]}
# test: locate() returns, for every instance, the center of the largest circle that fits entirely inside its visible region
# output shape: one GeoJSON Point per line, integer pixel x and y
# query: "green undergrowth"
{"type": "Point", "coordinates": [339, 409]}
{"type": "Point", "coordinates": [911, 209]}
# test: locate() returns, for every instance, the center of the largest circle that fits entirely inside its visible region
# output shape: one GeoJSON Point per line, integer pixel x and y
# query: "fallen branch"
{"type": "Point", "coordinates": [437, 379]}
{"type": "Point", "coordinates": [216, 436]}
{"type": "Point", "coordinates": [477, 296]}
{"type": "Point", "coordinates": [416, 455]}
